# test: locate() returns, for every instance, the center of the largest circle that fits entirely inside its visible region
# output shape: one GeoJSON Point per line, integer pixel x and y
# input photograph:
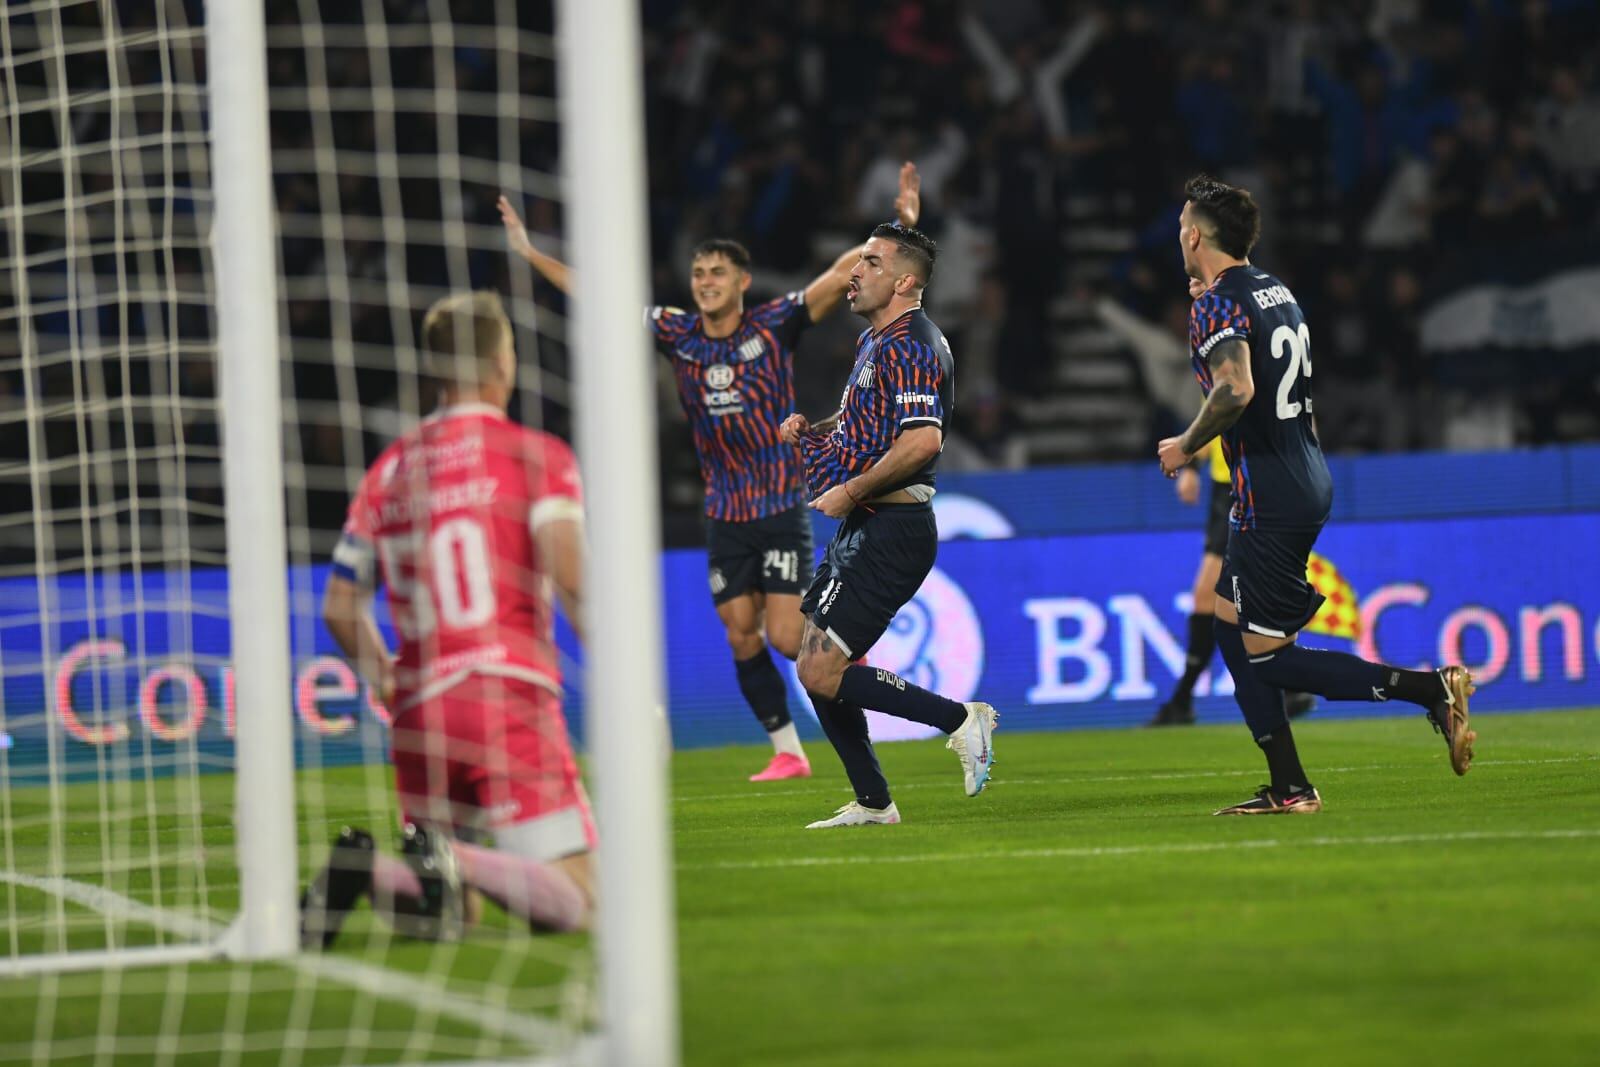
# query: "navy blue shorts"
{"type": "Point", "coordinates": [767, 555]}
{"type": "Point", "coordinates": [1264, 574]}
{"type": "Point", "coordinates": [1218, 508]}
{"type": "Point", "coordinates": [872, 568]}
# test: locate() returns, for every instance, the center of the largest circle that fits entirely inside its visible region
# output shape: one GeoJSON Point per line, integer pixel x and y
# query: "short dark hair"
{"type": "Point", "coordinates": [918, 248]}
{"type": "Point", "coordinates": [1231, 211]}
{"type": "Point", "coordinates": [736, 253]}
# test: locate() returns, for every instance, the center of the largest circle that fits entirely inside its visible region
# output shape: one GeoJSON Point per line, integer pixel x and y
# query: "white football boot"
{"type": "Point", "coordinates": [972, 741]}
{"type": "Point", "coordinates": [854, 814]}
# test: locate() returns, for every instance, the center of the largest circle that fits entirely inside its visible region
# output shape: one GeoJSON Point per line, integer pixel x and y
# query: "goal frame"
{"type": "Point", "coordinates": [601, 106]}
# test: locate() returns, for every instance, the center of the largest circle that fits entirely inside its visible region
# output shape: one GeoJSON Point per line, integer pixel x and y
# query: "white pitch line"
{"type": "Point", "coordinates": [1092, 851]}
{"type": "Point", "coordinates": [431, 997]}
{"type": "Point", "coordinates": [1177, 776]}
{"type": "Point", "coordinates": [111, 903]}
{"type": "Point", "coordinates": [421, 995]}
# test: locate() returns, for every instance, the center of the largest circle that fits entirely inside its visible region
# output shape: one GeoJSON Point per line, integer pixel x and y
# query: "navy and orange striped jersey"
{"type": "Point", "coordinates": [1280, 477]}
{"type": "Point", "coordinates": [904, 375]}
{"type": "Point", "coordinates": [736, 391]}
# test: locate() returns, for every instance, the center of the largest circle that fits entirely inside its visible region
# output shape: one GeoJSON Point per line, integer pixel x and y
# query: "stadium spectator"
{"type": "Point", "coordinates": [1056, 138]}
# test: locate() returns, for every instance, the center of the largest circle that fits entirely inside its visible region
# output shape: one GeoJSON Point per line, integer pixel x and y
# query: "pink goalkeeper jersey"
{"type": "Point", "coordinates": [445, 519]}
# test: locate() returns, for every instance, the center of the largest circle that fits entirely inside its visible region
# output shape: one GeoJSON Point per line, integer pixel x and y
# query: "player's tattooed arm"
{"type": "Point", "coordinates": [1231, 390]}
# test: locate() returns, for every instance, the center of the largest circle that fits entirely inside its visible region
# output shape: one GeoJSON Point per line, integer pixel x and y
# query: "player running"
{"type": "Point", "coordinates": [469, 521]}
{"type": "Point", "coordinates": [1202, 637]}
{"type": "Point", "coordinates": [872, 465]}
{"type": "Point", "coordinates": [1246, 328]}
{"type": "Point", "coordinates": [735, 373]}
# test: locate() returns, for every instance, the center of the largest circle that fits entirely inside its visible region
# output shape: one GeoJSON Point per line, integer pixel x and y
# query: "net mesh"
{"type": "Point", "coordinates": [394, 126]}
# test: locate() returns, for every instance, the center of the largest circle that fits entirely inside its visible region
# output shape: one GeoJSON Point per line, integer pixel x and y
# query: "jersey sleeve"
{"type": "Point", "coordinates": [355, 556]}
{"type": "Point", "coordinates": [915, 380]}
{"type": "Point", "coordinates": [557, 490]}
{"type": "Point", "coordinates": [1214, 318]}
{"type": "Point", "coordinates": [787, 317]}
{"type": "Point", "coordinates": [667, 326]}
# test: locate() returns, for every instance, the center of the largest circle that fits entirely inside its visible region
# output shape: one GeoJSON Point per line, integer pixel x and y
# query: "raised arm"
{"type": "Point", "coordinates": [1231, 390]}
{"type": "Point", "coordinates": [828, 288]}
{"type": "Point", "coordinates": [549, 267]}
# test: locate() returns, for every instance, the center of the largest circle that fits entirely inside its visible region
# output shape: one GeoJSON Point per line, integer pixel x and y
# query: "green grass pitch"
{"type": "Point", "coordinates": [1085, 909]}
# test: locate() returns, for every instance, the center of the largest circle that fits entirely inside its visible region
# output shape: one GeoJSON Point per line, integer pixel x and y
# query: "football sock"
{"type": "Point", "coordinates": [538, 893]}
{"type": "Point", "coordinates": [763, 689]}
{"type": "Point", "coordinates": [1202, 643]}
{"type": "Point", "coordinates": [1261, 703]}
{"type": "Point", "coordinates": [846, 727]}
{"type": "Point", "coordinates": [787, 739]}
{"type": "Point", "coordinates": [1283, 761]}
{"type": "Point", "coordinates": [1416, 687]}
{"type": "Point", "coordinates": [885, 691]}
{"type": "Point", "coordinates": [1341, 676]}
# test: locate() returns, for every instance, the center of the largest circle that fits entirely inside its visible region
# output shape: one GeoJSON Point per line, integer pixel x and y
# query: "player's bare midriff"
{"type": "Point", "coordinates": [899, 496]}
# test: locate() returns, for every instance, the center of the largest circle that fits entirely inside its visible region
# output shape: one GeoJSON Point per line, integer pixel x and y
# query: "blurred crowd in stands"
{"type": "Point", "coordinates": [1403, 152]}
{"type": "Point", "coordinates": [1391, 143]}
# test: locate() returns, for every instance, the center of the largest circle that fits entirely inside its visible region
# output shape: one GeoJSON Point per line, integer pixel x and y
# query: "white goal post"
{"type": "Point", "coordinates": [602, 103]}
{"type": "Point", "coordinates": [244, 252]}
{"type": "Point", "coordinates": [186, 744]}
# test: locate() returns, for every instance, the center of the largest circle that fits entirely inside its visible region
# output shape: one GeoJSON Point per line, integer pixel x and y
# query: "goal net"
{"type": "Point", "coordinates": [394, 125]}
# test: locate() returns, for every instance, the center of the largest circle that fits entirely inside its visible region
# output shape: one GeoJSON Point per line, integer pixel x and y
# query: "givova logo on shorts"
{"type": "Point", "coordinates": [830, 593]}
{"type": "Point", "coordinates": [934, 641]}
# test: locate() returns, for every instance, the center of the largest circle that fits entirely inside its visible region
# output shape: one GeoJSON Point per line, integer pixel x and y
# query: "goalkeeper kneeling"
{"type": "Point", "coordinates": [468, 520]}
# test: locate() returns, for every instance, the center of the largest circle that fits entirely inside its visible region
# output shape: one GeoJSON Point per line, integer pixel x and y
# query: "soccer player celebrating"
{"type": "Point", "coordinates": [470, 521]}
{"type": "Point", "coordinates": [872, 465]}
{"type": "Point", "coordinates": [735, 372]}
{"type": "Point", "coordinates": [1247, 329]}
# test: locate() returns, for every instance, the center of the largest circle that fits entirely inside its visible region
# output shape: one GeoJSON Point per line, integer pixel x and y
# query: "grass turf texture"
{"type": "Point", "coordinates": [1086, 908]}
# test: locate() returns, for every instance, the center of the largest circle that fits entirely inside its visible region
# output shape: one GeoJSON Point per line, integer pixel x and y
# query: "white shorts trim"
{"type": "Point", "coordinates": [836, 639]}
{"type": "Point", "coordinates": [1264, 630]}
{"type": "Point", "coordinates": [545, 838]}
{"type": "Point", "coordinates": [450, 681]}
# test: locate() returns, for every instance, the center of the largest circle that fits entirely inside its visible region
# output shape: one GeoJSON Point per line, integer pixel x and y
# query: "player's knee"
{"type": "Point", "coordinates": [744, 641]}
{"type": "Point", "coordinates": [818, 674]}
